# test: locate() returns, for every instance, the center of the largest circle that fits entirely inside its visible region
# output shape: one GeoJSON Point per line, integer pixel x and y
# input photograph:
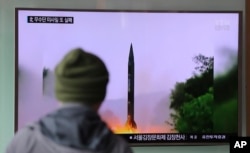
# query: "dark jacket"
{"type": "Point", "coordinates": [68, 130]}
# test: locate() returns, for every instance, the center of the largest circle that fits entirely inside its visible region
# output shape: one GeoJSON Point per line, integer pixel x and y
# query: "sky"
{"type": "Point", "coordinates": [163, 43]}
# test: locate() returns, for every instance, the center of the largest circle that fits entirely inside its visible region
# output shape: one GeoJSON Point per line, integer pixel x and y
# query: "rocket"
{"type": "Point", "coordinates": [130, 123]}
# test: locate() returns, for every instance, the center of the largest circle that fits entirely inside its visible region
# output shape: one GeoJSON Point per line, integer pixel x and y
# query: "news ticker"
{"type": "Point", "coordinates": [236, 144]}
{"type": "Point", "coordinates": [51, 19]}
{"type": "Point", "coordinates": [177, 138]}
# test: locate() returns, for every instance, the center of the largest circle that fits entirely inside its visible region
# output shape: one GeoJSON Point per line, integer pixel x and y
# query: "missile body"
{"type": "Point", "coordinates": [130, 118]}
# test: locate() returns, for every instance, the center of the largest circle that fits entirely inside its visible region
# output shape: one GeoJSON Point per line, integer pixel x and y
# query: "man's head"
{"type": "Point", "coordinates": [81, 77]}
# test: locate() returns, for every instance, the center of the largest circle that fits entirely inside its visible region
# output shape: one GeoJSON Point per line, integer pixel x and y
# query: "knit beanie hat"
{"type": "Point", "coordinates": [81, 77]}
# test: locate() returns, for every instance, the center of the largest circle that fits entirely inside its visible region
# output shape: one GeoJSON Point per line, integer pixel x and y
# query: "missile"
{"type": "Point", "coordinates": [130, 123]}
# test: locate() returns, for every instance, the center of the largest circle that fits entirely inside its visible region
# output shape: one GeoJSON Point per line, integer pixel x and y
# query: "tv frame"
{"type": "Point", "coordinates": [240, 51]}
{"type": "Point", "coordinates": [247, 50]}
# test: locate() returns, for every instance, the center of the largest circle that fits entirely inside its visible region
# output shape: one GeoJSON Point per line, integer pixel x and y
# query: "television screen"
{"type": "Point", "coordinates": [174, 76]}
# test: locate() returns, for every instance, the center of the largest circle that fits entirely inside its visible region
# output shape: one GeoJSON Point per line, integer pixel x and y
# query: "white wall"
{"type": "Point", "coordinates": [7, 46]}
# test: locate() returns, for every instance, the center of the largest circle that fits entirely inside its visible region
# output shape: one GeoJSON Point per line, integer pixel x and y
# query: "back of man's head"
{"type": "Point", "coordinates": [81, 77]}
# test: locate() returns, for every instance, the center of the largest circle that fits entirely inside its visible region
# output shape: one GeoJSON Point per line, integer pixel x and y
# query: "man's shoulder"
{"type": "Point", "coordinates": [26, 132]}
{"type": "Point", "coordinates": [23, 139]}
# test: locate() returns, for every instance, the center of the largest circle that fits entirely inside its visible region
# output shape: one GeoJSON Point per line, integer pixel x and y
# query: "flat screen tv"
{"type": "Point", "coordinates": [175, 76]}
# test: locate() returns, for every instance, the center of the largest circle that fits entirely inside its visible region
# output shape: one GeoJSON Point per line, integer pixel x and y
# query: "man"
{"type": "Point", "coordinates": [80, 86]}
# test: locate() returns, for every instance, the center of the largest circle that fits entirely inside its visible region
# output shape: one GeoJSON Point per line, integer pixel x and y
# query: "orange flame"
{"type": "Point", "coordinates": [116, 125]}
{"type": "Point", "coordinates": [123, 129]}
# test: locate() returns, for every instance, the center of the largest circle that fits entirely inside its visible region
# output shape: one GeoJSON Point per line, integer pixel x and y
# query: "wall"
{"type": "Point", "coordinates": [7, 46]}
{"type": "Point", "coordinates": [247, 63]}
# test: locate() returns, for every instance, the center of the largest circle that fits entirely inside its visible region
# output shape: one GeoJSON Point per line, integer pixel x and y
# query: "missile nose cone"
{"type": "Point", "coordinates": [131, 53]}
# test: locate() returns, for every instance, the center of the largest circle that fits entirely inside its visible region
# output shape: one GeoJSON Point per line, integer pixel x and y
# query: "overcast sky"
{"type": "Point", "coordinates": [164, 44]}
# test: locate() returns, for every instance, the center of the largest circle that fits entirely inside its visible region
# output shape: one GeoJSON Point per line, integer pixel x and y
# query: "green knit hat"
{"type": "Point", "coordinates": [81, 77]}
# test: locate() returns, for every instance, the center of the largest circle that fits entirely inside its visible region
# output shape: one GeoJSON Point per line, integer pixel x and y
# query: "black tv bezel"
{"type": "Point", "coordinates": [240, 51]}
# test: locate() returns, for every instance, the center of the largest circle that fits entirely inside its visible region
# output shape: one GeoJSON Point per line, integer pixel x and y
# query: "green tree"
{"type": "Point", "coordinates": [204, 64]}
{"type": "Point", "coordinates": [225, 117]}
{"type": "Point", "coordinates": [196, 85]}
{"type": "Point", "coordinates": [196, 116]}
{"type": "Point", "coordinates": [226, 86]}
{"type": "Point", "coordinates": [199, 110]}
{"type": "Point", "coordinates": [179, 96]}
{"type": "Point", "coordinates": [193, 100]}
